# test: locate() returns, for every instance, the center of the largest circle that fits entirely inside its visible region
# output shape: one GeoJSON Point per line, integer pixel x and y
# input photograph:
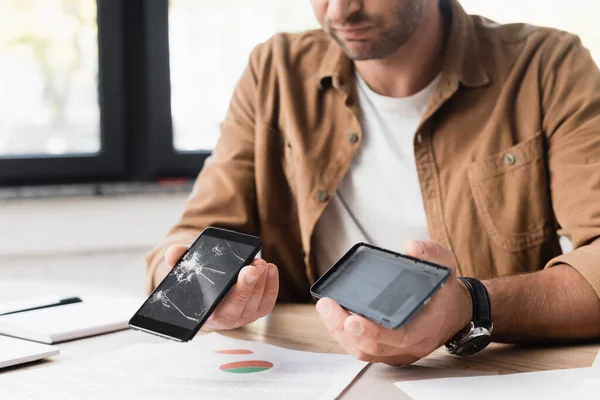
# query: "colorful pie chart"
{"type": "Point", "coordinates": [246, 367]}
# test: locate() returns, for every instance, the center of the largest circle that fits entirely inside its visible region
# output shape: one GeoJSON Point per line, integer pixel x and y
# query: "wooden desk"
{"type": "Point", "coordinates": [299, 327]}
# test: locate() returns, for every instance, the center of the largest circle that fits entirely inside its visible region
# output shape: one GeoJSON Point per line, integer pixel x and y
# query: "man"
{"type": "Point", "coordinates": [409, 119]}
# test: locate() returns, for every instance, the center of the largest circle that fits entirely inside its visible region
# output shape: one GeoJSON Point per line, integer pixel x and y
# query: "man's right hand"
{"type": "Point", "coordinates": [253, 296]}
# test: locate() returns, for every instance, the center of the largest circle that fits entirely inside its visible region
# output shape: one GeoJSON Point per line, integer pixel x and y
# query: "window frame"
{"type": "Point", "coordinates": [109, 162]}
{"type": "Point", "coordinates": [134, 97]}
{"type": "Point", "coordinates": [164, 159]}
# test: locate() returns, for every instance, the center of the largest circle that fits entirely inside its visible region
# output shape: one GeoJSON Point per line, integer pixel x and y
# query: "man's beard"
{"type": "Point", "coordinates": [407, 16]}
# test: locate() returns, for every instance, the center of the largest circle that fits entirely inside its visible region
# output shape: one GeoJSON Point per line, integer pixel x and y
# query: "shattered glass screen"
{"type": "Point", "coordinates": [185, 295]}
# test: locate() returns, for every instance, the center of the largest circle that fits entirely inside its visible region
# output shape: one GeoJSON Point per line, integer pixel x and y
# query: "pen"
{"type": "Point", "coordinates": [62, 302]}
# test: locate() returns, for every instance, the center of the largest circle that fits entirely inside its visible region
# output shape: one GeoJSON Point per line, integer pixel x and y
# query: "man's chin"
{"type": "Point", "coordinates": [360, 50]}
{"type": "Point", "coordinates": [361, 54]}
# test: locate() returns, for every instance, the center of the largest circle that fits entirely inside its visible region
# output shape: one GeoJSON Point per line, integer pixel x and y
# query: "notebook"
{"type": "Point", "coordinates": [17, 351]}
{"type": "Point", "coordinates": [94, 315]}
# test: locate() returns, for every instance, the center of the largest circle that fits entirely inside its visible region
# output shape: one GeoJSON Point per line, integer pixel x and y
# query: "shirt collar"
{"type": "Point", "coordinates": [462, 61]}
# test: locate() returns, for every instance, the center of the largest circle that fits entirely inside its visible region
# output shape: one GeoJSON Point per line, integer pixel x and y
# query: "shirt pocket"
{"type": "Point", "coordinates": [512, 196]}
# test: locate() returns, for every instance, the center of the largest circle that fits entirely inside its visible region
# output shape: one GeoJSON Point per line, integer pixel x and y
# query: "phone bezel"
{"type": "Point", "coordinates": [180, 333]}
{"type": "Point", "coordinates": [388, 323]}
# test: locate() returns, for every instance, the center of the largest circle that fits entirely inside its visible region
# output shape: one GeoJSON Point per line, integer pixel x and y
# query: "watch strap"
{"type": "Point", "coordinates": [482, 313]}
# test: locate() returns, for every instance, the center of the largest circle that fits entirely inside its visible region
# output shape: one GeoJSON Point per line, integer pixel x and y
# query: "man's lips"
{"type": "Point", "coordinates": [352, 33]}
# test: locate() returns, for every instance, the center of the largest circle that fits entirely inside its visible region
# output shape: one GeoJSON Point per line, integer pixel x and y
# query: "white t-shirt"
{"type": "Point", "coordinates": [379, 200]}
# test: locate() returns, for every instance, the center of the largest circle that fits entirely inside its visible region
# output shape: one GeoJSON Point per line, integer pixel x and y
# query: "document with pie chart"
{"type": "Point", "coordinates": [211, 366]}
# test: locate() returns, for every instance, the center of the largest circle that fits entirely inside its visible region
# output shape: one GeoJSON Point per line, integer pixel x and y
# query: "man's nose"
{"type": "Point", "coordinates": [339, 10]}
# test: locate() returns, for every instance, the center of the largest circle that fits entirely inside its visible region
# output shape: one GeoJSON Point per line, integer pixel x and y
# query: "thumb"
{"type": "Point", "coordinates": [174, 253]}
{"type": "Point", "coordinates": [431, 251]}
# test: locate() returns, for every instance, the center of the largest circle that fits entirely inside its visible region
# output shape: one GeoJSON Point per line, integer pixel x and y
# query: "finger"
{"type": "Point", "coordinates": [258, 261]}
{"type": "Point", "coordinates": [401, 346]}
{"type": "Point", "coordinates": [430, 251]}
{"type": "Point", "coordinates": [379, 340]}
{"type": "Point", "coordinates": [334, 316]}
{"type": "Point", "coordinates": [398, 361]}
{"type": "Point", "coordinates": [374, 348]}
{"type": "Point", "coordinates": [211, 324]}
{"type": "Point", "coordinates": [249, 313]}
{"type": "Point", "coordinates": [270, 293]}
{"type": "Point", "coordinates": [161, 272]}
{"type": "Point", "coordinates": [174, 253]}
{"type": "Point", "coordinates": [229, 311]}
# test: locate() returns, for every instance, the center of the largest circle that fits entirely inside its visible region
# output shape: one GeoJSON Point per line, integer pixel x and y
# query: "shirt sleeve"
{"type": "Point", "coordinates": [571, 105]}
{"type": "Point", "coordinates": [224, 193]}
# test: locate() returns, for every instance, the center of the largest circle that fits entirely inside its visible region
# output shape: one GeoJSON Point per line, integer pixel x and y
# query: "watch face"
{"type": "Point", "coordinates": [473, 345]}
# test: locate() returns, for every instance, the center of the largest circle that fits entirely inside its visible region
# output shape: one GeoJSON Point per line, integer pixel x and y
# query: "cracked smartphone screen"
{"type": "Point", "coordinates": [196, 281]}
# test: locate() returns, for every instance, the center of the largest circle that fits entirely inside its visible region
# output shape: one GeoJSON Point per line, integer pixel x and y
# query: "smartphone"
{"type": "Point", "coordinates": [191, 291]}
{"type": "Point", "coordinates": [383, 286]}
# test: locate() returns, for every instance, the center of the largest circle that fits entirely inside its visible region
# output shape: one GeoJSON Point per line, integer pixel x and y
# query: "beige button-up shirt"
{"type": "Point", "coordinates": [508, 152]}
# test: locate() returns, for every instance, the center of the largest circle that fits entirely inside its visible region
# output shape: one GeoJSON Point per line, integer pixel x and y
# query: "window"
{"type": "Point", "coordinates": [196, 51]}
{"type": "Point", "coordinates": [135, 90]}
{"type": "Point", "coordinates": [50, 103]}
{"type": "Point", "coordinates": [579, 17]}
{"type": "Point", "coordinates": [209, 43]}
{"type": "Point", "coordinates": [60, 95]}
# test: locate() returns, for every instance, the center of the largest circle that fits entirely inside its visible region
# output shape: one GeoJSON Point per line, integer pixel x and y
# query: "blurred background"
{"type": "Point", "coordinates": [109, 108]}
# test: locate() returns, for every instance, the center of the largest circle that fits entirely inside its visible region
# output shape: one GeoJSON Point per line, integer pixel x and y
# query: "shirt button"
{"type": "Point", "coordinates": [509, 159]}
{"type": "Point", "coordinates": [322, 196]}
{"type": "Point", "coordinates": [353, 137]}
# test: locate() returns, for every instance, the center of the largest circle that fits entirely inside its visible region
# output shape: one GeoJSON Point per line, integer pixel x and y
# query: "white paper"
{"type": "Point", "coordinates": [17, 351]}
{"type": "Point", "coordinates": [189, 371]}
{"type": "Point", "coordinates": [576, 383]}
{"type": "Point", "coordinates": [95, 315]}
{"type": "Point", "coordinates": [593, 379]}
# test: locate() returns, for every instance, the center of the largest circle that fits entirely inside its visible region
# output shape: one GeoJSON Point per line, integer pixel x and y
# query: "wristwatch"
{"type": "Point", "coordinates": [478, 334]}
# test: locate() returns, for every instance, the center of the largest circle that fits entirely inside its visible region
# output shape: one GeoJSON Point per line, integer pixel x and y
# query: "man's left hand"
{"type": "Point", "coordinates": [449, 311]}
